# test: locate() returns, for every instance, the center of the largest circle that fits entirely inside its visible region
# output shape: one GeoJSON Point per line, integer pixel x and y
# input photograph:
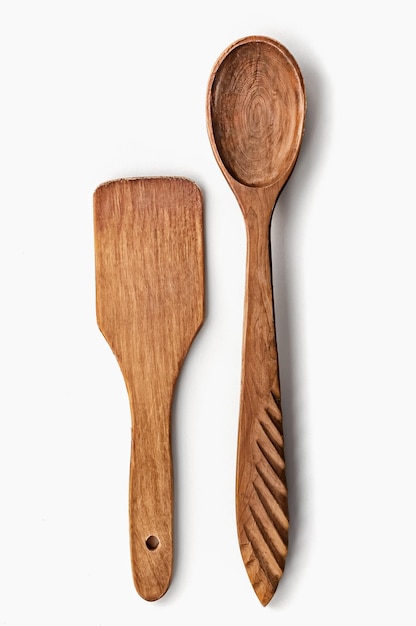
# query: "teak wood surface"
{"type": "Point", "coordinates": [150, 305]}
{"type": "Point", "coordinates": [255, 118]}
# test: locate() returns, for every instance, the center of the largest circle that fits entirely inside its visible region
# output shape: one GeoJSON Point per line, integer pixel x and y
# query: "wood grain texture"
{"type": "Point", "coordinates": [256, 107]}
{"type": "Point", "coordinates": [150, 305]}
{"type": "Point", "coordinates": [250, 96]}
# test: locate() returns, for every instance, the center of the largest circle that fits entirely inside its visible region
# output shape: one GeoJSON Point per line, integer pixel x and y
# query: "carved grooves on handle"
{"type": "Point", "coordinates": [264, 533]}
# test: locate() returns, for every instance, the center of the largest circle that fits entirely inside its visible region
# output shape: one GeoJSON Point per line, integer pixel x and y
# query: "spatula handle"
{"type": "Point", "coordinates": [151, 494]}
{"type": "Point", "coordinates": [261, 493]}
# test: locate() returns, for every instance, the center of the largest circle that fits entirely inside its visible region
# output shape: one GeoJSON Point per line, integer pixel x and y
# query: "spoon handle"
{"type": "Point", "coordinates": [261, 493]}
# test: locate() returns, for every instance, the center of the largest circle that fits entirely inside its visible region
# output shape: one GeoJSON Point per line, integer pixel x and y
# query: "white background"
{"type": "Point", "coordinates": [92, 91]}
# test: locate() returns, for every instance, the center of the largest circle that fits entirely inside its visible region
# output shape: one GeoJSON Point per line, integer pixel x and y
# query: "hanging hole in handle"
{"type": "Point", "coordinates": [152, 542]}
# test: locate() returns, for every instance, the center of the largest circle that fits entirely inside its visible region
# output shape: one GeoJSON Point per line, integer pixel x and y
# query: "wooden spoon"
{"type": "Point", "coordinates": [150, 301]}
{"type": "Point", "coordinates": [255, 116]}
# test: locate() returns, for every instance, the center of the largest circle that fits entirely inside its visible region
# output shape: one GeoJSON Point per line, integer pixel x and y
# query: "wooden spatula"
{"type": "Point", "coordinates": [150, 306]}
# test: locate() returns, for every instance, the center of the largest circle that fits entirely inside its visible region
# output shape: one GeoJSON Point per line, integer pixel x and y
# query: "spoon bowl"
{"type": "Point", "coordinates": [256, 108]}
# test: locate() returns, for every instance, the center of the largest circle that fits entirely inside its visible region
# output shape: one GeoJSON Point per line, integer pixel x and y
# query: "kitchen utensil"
{"type": "Point", "coordinates": [149, 300]}
{"type": "Point", "coordinates": [255, 117]}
